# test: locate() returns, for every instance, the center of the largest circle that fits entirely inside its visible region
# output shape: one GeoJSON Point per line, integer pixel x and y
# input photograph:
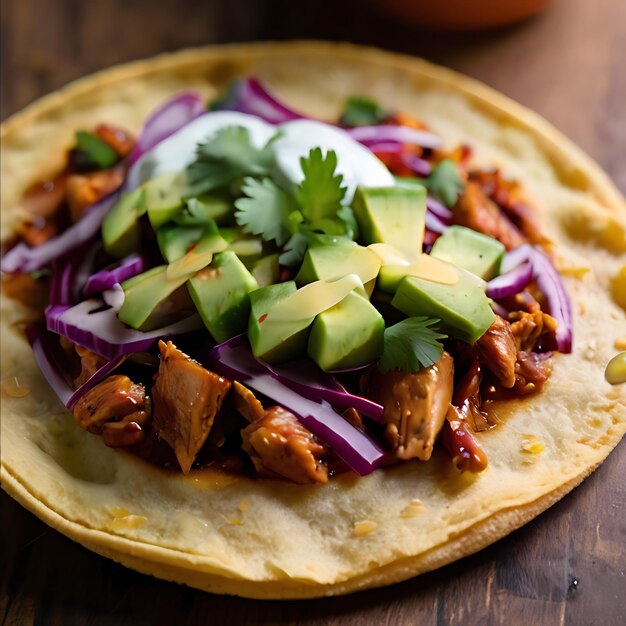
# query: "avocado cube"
{"type": "Point", "coordinates": [392, 215]}
{"type": "Point", "coordinates": [278, 342]}
{"type": "Point", "coordinates": [474, 252]}
{"type": "Point", "coordinates": [121, 231]}
{"type": "Point", "coordinates": [220, 293]}
{"type": "Point", "coordinates": [152, 300]}
{"type": "Point", "coordinates": [164, 197]}
{"type": "Point", "coordinates": [347, 335]}
{"type": "Point", "coordinates": [266, 270]}
{"type": "Point", "coordinates": [205, 208]}
{"type": "Point", "coordinates": [331, 262]}
{"type": "Point", "coordinates": [463, 308]}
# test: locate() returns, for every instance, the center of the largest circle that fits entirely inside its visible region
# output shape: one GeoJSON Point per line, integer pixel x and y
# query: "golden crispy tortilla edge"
{"type": "Point", "coordinates": [178, 567]}
{"type": "Point", "coordinates": [573, 165]}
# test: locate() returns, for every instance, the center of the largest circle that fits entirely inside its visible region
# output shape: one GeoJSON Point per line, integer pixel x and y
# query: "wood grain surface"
{"type": "Point", "coordinates": [567, 566]}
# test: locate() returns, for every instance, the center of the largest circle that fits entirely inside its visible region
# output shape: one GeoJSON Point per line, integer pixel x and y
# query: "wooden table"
{"type": "Point", "coordinates": [566, 567]}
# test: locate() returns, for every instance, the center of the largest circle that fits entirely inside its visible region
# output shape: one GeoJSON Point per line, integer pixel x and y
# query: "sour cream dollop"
{"type": "Point", "coordinates": [358, 166]}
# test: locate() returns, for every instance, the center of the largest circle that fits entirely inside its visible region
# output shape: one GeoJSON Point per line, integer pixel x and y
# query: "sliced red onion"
{"type": "Point", "coordinates": [23, 258]}
{"type": "Point", "coordinates": [114, 297]}
{"type": "Point", "coordinates": [419, 167]}
{"type": "Point", "coordinates": [309, 381]}
{"type": "Point", "coordinates": [371, 135]}
{"type": "Point", "coordinates": [100, 331]}
{"type": "Point", "coordinates": [498, 309]}
{"type": "Point", "coordinates": [61, 286]}
{"type": "Point", "coordinates": [551, 286]}
{"type": "Point", "coordinates": [234, 359]}
{"type": "Point", "coordinates": [50, 359]}
{"type": "Point", "coordinates": [128, 267]}
{"type": "Point", "coordinates": [510, 283]}
{"type": "Point", "coordinates": [94, 379]}
{"type": "Point", "coordinates": [434, 224]}
{"type": "Point", "coordinates": [53, 365]}
{"type": "Point", "coordinates": [249, 96]}
{"type": "Point", "coordinates": [166, 120]}
{"type": "Point", "coordinates": [438, 209]}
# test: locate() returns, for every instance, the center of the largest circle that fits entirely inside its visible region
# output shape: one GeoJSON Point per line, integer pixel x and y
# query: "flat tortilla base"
{"type": "Point", "coordinates": [266, 539]}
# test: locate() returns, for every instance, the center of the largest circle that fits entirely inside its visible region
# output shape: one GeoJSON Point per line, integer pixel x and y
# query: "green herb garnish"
{"type": "Point", "coordinates": [226, 156]}
{"type": "Point", "coordinates": [92, 152]}
{"type": "Point", "coordinates": [264, 209]}
{"type": "Point", "coordinates": [320, 193]}
{"type": "Point", "coordinates": [445, 182]}
{"type": "Point", "coordinates": [362, 111]}
{"type": "Point", "coordinates": [411, 345]}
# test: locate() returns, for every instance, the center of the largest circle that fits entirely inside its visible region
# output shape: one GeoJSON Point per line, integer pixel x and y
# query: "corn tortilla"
{"type": "Point", "coordinates": [271, 539]}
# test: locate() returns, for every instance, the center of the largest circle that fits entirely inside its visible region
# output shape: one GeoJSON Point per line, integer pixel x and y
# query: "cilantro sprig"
{"type": "Point", "coordinates": [264, 209]}
{"type": "Point", "coordinates": [411, 345]}
{"type": "Point", "coordinates": [93, 152]}
{"type": "Point", "coordinates": [363, 111]}
{"type": "Point", "coordinates": [445, 182]}
{"type": "Point", "coordinates": [320, 193]}
{"type": "Point", "coordinates": [227, 156]}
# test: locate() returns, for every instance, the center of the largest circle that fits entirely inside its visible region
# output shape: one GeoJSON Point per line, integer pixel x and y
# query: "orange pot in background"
{"type": "Point", "coordinates": [462, 14]}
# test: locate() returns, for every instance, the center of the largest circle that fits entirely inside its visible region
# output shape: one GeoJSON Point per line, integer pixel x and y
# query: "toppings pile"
{"type": "Point", "coordinates": [248, 289]}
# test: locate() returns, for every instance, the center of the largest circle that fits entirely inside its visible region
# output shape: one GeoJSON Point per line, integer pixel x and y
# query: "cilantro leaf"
{"type": "Point", "coordinates": [225, 156]}
{"type": "Point", "coordinates": [410, 345]}
{"type": "Point", "coordinates": [263, 210]}
{"type": "Point", "coordinates": [362, 111]}
{"type": "Point", "coordinates": [294, 249]}
{"type": "Point", "coordinates": [93, 152]}
{"type": "Point", "coordinates": [445, 182]}
{"type": "Point", "coordinates": [320, 193]}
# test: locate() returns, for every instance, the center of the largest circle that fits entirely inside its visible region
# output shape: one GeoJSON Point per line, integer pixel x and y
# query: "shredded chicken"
{"type": "Point", "coordinates": [415, 406]}
{"type": "Point", "coordinates": [532, 370]}
{"type": "Point", "coordinates": [507, 349]}
{"type": "Point", "coordinates": [85, 190]}
{"type": "Point", "coordinates": [279, 445]}
{"type": "Point", "coordinates": [247, 403]}
{"type": "Point", "coordinates": [529, 328]}
{"type": "Point", "coordinates": [90, 363]}
{"type": "Point", "coordinates": [462, 445]}
{"type": "Point", "coordinates": [116, 408]}
{"type": "Point", "coordinates": [186, 399]}
{"type": "Point", "coordinates": [476, 211]}
{"type": "Point", "coordinates": [118, 139]}
{"type": "Point", "coordinates": [467, 398]}
{"type": "Point", "coordinates": [37, 230]}
{"type": "Point", "coordinates": [509, 196]}
{"type": "Point", "coordinates": [497, 350]}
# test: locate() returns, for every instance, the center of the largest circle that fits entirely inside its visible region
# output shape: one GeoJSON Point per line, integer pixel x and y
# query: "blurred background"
{"type": "Point", "coordinates": [567, 62]}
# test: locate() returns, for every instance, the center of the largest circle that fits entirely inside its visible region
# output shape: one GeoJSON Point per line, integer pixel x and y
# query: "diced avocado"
{"type": "Point", "coordinates": [424, 266]}
{"type": "Point", "coordinates": [330, 262]}
{"type": "Point", "coordinates": [189, 248]}
{"type": "Point", "coordinates": [174, 240]}
{"type": "Point", "coordinates": [347, 335]}
{"type": "Point", "coordinates": [392, 215]}
{"type": "Point", "coordinates": [280, 342]}
{"type": "Point", "coordinates": [206, 208]}
{"type": "Point", "coordinates": [121, 231]}
{"type": "Point", "coordinates": [164, 197]}
{"type": "Point", "coordinates": [151, 300]}
{"type": "Point", "coordinates": [266, 270]}
{"type": "Point", "coordinates": [475, 252]}
{"type": "Point", "coordinates": [463, 308]}
{"type": "Point", "coordinates": [220, 293]}
{"type": "Point", "coordinates": [242, 245]}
